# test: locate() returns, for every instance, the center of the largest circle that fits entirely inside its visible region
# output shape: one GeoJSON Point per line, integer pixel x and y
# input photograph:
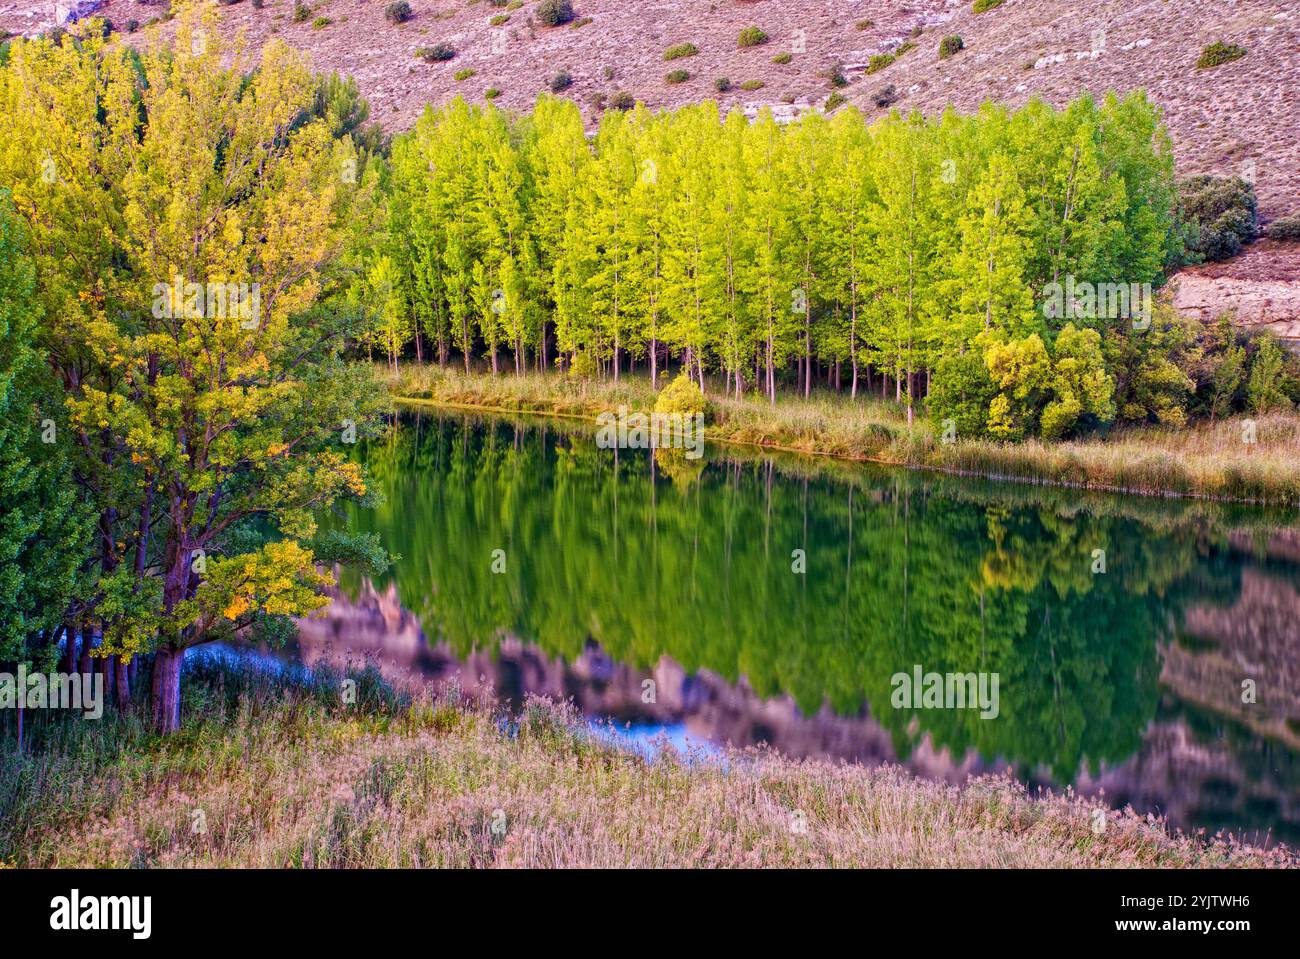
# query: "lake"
{"type": "Point", "coordinates": [1142, 649]}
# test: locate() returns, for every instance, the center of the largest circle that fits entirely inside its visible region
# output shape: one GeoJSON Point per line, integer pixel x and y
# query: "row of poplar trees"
{"type": "Point", "coordinates": [758, 251]}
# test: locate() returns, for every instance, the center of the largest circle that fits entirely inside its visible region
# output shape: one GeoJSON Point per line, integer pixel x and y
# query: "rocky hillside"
{"type": "Point", "coordinates": [1239, 117]}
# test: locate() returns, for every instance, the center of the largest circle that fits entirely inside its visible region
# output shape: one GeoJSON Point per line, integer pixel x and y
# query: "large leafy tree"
{"type": "Point", "coordinates": [44, 527]}
{"type": "Point", "coordinates": [186, 246]}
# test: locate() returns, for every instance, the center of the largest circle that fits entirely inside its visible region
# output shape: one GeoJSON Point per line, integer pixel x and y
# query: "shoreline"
{"type": "Point", "coordinates": [1156, 468]}
{"type": "Point", "coordinates": [409, 778]}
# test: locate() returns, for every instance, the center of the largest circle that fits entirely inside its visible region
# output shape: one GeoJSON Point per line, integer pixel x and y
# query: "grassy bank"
{"type": "Point", "coordinates": [1208, 460]}
{"type": "Point", "coordinates": [279, 773]}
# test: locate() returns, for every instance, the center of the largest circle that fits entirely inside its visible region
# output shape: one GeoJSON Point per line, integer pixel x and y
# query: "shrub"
{"type": "Point", "coordinates": [554, 13]}
{"type": "Point", "coordinates": [752, 85]}
{"type": "Point", "coordinates": [879, 62]}
{"type": "Point", "coordinates": [1265, 390]}
{"type": "Point", "coordinates": [752, 37]}
{"type": "Point", "coordinates": [301, 12]}
{"type": "Point", "coordinates": [836, 76]}
{"type": "Point", "coordinates": [950, 46]}
{"type": "Point", "coordinates": [622, 100]}
{"type": "Point", "coordinates": [561, 81]}
{"type": "Point", "coordinates": [464, 74]}
{"type": "Point", "coordinates": [132, 26]}
{"type": "Point", "coordinates": [885, 96]}
{"type": "Point", "coordinates": [681, 50]}
{"type": "Point", "coordinates": [1287, 228]}
{"type": "Point", "coordinates": [904, 48]}
{"type": "Point", "coordinates": [722, 84]}
{"type": "Point", "coordinates": [834, 100]}
{"type": "Point", "coordinates": [676, 76]}
{"type": "Point", "coordinates": [500, 20]}
{"type": "Point", "coordinates": [782, 58]}
{"type": "Point", "coordinates": [258, 4]}
{"type": "Point", "coordinates": [514, 4]}
{"type": "Point", "coordinates": [321, 23]}
{"type": "Point", "coordinates": [437, 53]}
{"type": "Point", "coordinates": [397, 12]}
{"type": "Point", "coordinates": [865, 24]}
{"type": "Point", "coordinates": [682, 396]}
{"type": "Point", "coordinates": [1219, 53]}
{"type": "Point", "coordinates": [491, 93]}
{"type": "Point", "coordinates": [581, 22]}
{"type": "Point", "coordinates": [983, 6]}
{"type": "Point", "coordinates": [1218, 215]}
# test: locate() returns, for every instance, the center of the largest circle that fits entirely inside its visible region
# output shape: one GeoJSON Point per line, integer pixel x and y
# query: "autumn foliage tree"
{"type": "Point", "coordinates": [192, 222]}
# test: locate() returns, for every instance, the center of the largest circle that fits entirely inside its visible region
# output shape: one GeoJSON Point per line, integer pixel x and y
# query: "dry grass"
{"type": "Point", "coordinates": [1208, 460]}
{"type": "Point", "coordinates": [286, 777]}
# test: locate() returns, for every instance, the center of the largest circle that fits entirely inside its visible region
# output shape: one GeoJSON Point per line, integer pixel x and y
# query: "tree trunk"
{"type": "Point", "coordinates": [70, 650]}
{"type": "Point", "coordinates": [107, 670]}
{"type": "Point", "coordinates": [166, 689]}
{"type": "Point", "coordinates": [123, 684]}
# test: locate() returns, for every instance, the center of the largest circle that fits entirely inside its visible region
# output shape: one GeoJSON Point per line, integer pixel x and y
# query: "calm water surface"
{"type": "Point", "coordinates": [659, 592]}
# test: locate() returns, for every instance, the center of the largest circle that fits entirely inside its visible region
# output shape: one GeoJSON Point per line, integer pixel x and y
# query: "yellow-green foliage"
{"type": "Point", "coordinates": [682, 396]}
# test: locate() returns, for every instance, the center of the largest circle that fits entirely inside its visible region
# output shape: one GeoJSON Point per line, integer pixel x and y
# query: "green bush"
{"type": "Point", "coordinates": [676, 76]}
{"type": "Point", "coordinates": [464, 74]}
{"type": "Point", "coordinates": [437, 53]}
{"type": "Point", "coordinates": [722, 84]}
{"type": "Point", "coordinates": [865, 24]}
{"type": "Point", "coordinates": [752, 85]}
{"type": "Point", "coordinates": [622, 100]}
{"type": "Point", "coordinates": [834, 100]}
{"type": "Point", "coordinates": [983, 6]}
{"type": "Point", "coordinates": [397, 12]}
{"type": "Point", "coordinates": [1218, 215]}
{"type": "Point", "coordinates": [904, 48]}
{"type": "Point", "coordinates": [554, 13]}
{"type": "Point", "coordinates": [301, 12]}
{"type": "Point", "coordinates": [561, 81]}
{"type": "Point", "coordinates": [682, 396]}
{"type": "Point", "coordinates": [500, 20]}
{"type": "Point", "coordinates": [1286, 228]}
{"type": "Point", "coordinates": [1219, 53]}
{"type": "Point", "coordinates": [950, 46]}
{"type": "Point", "coordinates": [491, 93]}
{"type": "Point", "coordinates": [879, 62]}
{"type": "Point", "coordinates": [782, 58]}
{"type": "Point", "coordinates": [681, 50]}
{"type": "Point", "coordinates": [321, 23]}
{"type": "Point", "coordinates": [752, 37]}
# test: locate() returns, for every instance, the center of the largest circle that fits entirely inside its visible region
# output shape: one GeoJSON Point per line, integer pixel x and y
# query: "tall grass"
{"type": "Point", "coordinates": [1209, 460]}
{"type": "Point", "coordinates": [280, 773]}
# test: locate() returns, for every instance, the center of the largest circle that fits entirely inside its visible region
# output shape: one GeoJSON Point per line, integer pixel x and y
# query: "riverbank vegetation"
{"type": "Point", "coordinates": [273, 769]}
{"type": "Point", "coordinates": [1236, 459]}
